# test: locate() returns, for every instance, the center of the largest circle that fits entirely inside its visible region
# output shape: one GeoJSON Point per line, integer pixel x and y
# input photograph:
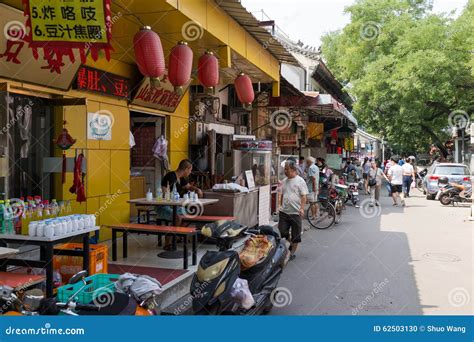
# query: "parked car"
{"type": "Point", "coordinates": [454, 172]}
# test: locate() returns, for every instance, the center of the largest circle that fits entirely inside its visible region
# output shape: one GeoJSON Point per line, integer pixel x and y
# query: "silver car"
{"type": "Point", "coordinates": [455, 172]}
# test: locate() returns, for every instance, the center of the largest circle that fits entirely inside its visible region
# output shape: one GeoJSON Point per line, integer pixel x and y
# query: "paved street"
{"type": "Point", "coordinates": [405, 261]}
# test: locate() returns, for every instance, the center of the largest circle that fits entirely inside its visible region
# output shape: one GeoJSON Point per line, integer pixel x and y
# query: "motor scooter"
{"type": "Point", "coordinates": [211, 287]}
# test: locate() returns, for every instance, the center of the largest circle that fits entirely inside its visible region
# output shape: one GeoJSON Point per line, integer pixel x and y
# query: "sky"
{"type": "Point", "coordinates": [308, 20]}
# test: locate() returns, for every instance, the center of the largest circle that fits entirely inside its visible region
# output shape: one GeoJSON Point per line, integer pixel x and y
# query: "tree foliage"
{"type": "Point", "coordinates": [407, 68]}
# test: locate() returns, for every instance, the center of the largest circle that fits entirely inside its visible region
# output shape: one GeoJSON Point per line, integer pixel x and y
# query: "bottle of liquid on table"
{"type": "Point", "coordinates": [167, 193]}
{"type": "Point", "coordinates": [2, 217]}
{"type": "Point", "coordinates": [175, 193]}
{"type": "Point", "coordinates": [54, 208]}
{"type": "Point", "coordinates": [8, 218]}
{"type": "Point", "coordinates": [159, 193]}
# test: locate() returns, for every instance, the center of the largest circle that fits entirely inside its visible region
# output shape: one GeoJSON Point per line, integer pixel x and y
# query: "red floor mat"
{"type": "Point", "coordinates": [163, 275]}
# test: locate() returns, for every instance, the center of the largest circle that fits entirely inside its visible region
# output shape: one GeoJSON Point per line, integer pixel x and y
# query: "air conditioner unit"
{"type": "Point", "coordinates": [196, 133]}
{"type": "Point", "coordinates": [242, 130]}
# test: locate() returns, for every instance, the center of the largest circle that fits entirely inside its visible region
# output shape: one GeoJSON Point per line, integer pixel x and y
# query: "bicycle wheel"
{"type": "Point", "coordinates": [327, 216]}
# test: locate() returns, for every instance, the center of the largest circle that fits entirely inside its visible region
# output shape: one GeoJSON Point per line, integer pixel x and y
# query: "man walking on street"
{"type": "Point", "coordinates": [294, 192]}
{"type": "Point", "coordinates": [408, 176]}
{"type": "Point", "coordinates": [395, 174]}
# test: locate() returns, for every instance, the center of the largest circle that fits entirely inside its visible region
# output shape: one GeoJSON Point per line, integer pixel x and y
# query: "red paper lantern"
{"type": "Point", "coordinates": [208, 70]}
{"type": "Point", "coordinates": [180, 66]}
{"type": "Point", "coordinates": [244, 89]}
{"type": "Point", "coordinates": [149, 54]}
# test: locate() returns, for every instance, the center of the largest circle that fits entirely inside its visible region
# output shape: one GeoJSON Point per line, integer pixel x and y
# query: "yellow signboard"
{"type": "Point", "coordinates": [73, 21]}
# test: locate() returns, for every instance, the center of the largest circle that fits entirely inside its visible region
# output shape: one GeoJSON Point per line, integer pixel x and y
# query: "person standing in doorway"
{"type": "Point", "coordinates": [395, 175]}
{"type": "Point", "coordinates": [294, 193]}
{"type": "Point", "coordinates": [365, 174]}
{"type": "Point", "coordinates": [408, 176]}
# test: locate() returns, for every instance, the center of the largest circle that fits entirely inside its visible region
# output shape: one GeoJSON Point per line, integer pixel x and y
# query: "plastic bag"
{"type": "Point", "coordinates": [241, 294]}
{"type": "Point", "coordinates": [413, 185]}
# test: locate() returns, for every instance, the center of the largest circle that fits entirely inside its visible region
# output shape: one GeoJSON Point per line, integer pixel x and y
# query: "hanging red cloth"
{"type": "Point", "coordinates": [78, 185]}
{"type": "Point", "coordinates": [64, 142]}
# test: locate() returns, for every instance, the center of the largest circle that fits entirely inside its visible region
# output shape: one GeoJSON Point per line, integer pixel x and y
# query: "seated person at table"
{"type": "Point", "coordinates": [182, 186]}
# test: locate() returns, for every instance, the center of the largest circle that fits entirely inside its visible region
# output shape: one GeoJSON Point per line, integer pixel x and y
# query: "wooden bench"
{"type": "Point", "coordinates": [136, 228]}
{"type": "Point", "coordinates": [203, 219]}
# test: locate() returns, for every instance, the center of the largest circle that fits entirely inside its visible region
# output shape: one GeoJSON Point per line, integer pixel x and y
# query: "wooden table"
{"type": "Point", "coordinates": [46, 252]}
{"type": "Point", "coordinates": [198, 205]}
{"type": "Point", "coordinates": [7, 252]}
{"type": "Point", "coordinates": [130, 228]}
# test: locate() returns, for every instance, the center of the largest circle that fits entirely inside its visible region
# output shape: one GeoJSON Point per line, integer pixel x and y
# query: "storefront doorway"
{"type": "Point", "coordinates": [146, 170]}
{"type": "Point", "coordinates": [27, 138]}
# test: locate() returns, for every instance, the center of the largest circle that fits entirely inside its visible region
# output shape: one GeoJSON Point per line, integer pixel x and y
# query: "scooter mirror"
{"type": "Point", "coordinates": [78, 277]}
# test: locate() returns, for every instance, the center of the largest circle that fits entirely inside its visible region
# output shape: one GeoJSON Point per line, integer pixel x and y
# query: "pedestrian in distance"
{"type": "Point", "coordinates": [312, 182]}
{"type": "Point", "coordinates": [375, 183]}
{"type": "Point", "coordinates": [395, 175]}
{"type": "Point", "coordinates": [365, 174]}
{"type": "Point", "coordinates": [294, 196]}
{"type": "Point", "coordinates": [301, 167]}
{"type": "Point", "coordinates": [408, 176]}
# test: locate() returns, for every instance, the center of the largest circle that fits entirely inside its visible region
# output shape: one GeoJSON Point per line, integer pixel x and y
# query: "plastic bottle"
{"type": "Point", "coordinates": [175, 193]}
{"type": "Point", "coordinates": [159, 193]}
{"type": "Point", "coordinates": [47, 209]}
{"type": "Point", "coordinates": [2, 217]}
{"type": "Point", "coordinates": [8, 218]}
{"type": "Point", "coordinates": [54, 208]}
{"type": "Point", "coordinates": [167, 193]}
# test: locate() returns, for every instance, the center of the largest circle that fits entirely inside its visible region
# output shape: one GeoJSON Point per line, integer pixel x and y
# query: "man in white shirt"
{"type": "Point", "coordinates": [294, 192]}
{"type": "Point", "coordinates": [408, 176]}
{"type": "Point", "coordinates": [395, 175]}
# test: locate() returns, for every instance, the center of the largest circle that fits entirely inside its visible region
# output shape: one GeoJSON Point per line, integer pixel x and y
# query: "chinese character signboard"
{"type": "Point", "coordinates": [162, 97]}
{"type": "Point", "coordinates": [91, 79]}
{"type": "Point", "coordinates": [18, 62]}
{"type": "Point", "coordinates": [59, 26]}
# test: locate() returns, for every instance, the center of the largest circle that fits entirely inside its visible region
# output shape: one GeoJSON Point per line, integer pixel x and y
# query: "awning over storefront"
{"type": "Point", "coordinates": [312, 103]}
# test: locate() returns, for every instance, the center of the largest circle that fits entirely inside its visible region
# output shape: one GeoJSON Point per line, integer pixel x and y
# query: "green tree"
{"type": "Point", "coordinates": [407, 69]}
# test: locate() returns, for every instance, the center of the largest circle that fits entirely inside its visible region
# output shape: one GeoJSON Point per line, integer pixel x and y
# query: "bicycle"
{"type": "Point", "coordinates": [327, 214]}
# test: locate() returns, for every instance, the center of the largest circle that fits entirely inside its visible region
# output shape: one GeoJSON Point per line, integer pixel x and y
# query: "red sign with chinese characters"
{"type": "Point", "coordinates": [99, 81]}
{"type": "Point", "coordinates": [161, 97]}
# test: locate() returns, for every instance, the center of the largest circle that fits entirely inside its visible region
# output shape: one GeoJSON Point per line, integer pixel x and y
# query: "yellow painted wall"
{"type": "Point", "coordinates": [107, 179]}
